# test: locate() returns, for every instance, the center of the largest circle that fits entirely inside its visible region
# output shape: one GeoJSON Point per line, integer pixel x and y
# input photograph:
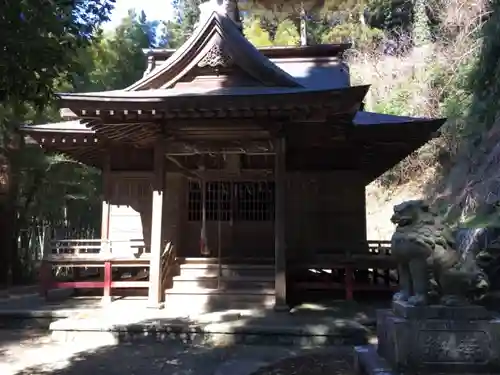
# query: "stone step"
{"type": "Point", "coordinates": [228, 261]}
{"type": "Point", "coordinates": [233, 283]}
{"type": "Point", "coordinates": [189, 290]}
{"type": "Point", "coordinates": [192, 301]}
{"type": "Point", "coordinates": [234, 270]}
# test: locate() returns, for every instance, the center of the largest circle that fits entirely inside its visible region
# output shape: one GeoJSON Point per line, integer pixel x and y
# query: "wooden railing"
{"type": "Point", "coordinates": [379, 247]}
{"type": "Point", "coordinates": [91, 250]}
{"type": "Point", "coordinates": [168, 266]}
{"type": "Point", "coordinates": [370, 251]}
{"type": "Point", "coordinates": [93, 253]}
{"type": "Point", "coordinates": [349, 263]}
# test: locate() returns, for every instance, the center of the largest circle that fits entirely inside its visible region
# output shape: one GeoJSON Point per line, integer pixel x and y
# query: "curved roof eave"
{"type": "Point", "coordinates": [364, 118]}
{"type": "Point", "coordinates": [241, 50]}
{"type": "Point", "coordinates": [74, 126]}
{"type": "Point", "coordinates": [165, 96]}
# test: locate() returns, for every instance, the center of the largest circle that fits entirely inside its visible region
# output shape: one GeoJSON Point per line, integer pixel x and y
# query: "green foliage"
{"type": "Point", "coordinates": [352, 6]}
{"type": "Point", "coordinates": [116, 60]}
{"type": "Point", "coordinates": [39, 41]}
{"type": "Point", "coordinates": [256, 35]}
{"type": "Point", "coordinates": [50, 183]}
{"type": "Point", "coordinates": [39, 50]}
{"type": "Point", "coordinates": [421, 29]}
{"type": "Point", "coordinates": [52, 191]}
{"type": "Point", "coordinates": [172, 35]}
{"type": "Point", "coordinates": [286, 34]}
{"type": "Point", "coordinates": [391, 15]}
{"type": "Point", "coordinates": [455, 94]}
{"type": "Point", "coordinates": [317, 27]}
{"type": "Point", "coordinates": [361, 36]}
{"type": "Point", "coordinates": [484, 79]}
{"type": "Point", "coordinates": [187, 13]}
{"type": "Point", "coordinates": [269, 16]}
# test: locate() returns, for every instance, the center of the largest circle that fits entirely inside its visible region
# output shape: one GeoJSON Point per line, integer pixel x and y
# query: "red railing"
{"type": "Point", "coordinates": [371, 257]}
{"type": "Point", "coordinates": [85, 254]}
{"type": "Point", "coordinates": [91, 254]}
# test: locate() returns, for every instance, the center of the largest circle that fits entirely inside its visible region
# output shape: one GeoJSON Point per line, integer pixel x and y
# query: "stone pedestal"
{"type": "Point", "coordinates": [434, 339]}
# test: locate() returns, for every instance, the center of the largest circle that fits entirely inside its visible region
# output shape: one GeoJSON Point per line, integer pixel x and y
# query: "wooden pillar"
{"type": "Point", "coordinates": [279, 225]}
{"type": "Point", "coordinates": [155, 293]}
{"type": "Point", "coordinates": [106, 187]}
{"type": "Point", "coordinates": [105, 249]}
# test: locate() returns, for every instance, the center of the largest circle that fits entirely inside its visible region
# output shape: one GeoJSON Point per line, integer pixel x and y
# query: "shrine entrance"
{"type": "Point", "coordinates": [229, 218]}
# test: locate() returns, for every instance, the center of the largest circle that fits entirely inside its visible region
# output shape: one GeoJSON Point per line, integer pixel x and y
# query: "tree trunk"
{"type": "Point", "coordinates": [7, 222]}
{"type": "Point", "coordinates": [303, 26]}
{"type": "Point", "coordinates": [10, 265]}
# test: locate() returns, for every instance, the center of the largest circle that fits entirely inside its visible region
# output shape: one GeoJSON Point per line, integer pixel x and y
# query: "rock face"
{"type": "Point", "coordinates": [484, 243]}
{"type": "Point", "coordinates": [430, 261]}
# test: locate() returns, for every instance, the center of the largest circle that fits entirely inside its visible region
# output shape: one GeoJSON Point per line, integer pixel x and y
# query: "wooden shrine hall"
{"type": "Point", "coordinates": [230, 171]}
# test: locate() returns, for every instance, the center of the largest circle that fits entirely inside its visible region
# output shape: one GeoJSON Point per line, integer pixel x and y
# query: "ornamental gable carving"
{"type": "Point", "coordinates": [215, 58]}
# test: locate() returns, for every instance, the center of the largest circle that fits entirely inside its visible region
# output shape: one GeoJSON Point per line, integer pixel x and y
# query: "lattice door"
{"type": "Point", "coordinates": [239, 216]}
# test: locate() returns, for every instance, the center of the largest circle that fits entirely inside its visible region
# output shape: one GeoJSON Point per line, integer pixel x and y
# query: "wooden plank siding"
{"type": "Point", "coordinates": [324, 209]}
{"type": "Point", "coordinates": [130, 207]}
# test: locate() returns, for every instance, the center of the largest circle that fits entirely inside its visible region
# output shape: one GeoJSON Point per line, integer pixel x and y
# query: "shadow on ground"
{"type": "Point", "coordinates": [182, 360]}
{"type": "Point", "coordinates": [27, 318]}
{"type": "Point", "coordinates": [172, 346]}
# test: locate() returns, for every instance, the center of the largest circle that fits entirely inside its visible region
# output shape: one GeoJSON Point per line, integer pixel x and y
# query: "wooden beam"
{"type": "Point", "coordinates": [155, 293]}
{"type": "Point", "coordinates": [258, 146]}
{"type": "Point", "coordinates": [242, 175]}
{"type": "Point", "coordinates": [184, 170]}
{"type": "Point", "coordinates": [279, 225]}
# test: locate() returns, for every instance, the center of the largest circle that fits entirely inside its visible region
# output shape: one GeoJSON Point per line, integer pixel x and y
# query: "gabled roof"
{"type": "Point", "coordinates": [218, 73]}
{"type": "Point", "coordinates": [218, 43]}
{"type": "Point", "coordinates": [316, 66]}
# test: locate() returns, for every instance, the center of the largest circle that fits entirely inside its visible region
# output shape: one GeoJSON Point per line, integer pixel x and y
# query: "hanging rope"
{"type": "Point", "coordinates": [203, 235]}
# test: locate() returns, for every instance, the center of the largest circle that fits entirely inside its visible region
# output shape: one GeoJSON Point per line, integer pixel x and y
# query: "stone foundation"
{"type": "Point", "coordinates": [433, 339]}
{"type": "Point", "coordinates": [216, 334]}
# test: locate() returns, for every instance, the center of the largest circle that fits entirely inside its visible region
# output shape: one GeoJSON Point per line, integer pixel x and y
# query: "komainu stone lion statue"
{"type": "Point", "coordinates": [428, 259]}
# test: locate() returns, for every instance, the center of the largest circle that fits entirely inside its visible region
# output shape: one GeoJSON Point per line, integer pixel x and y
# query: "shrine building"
{"type": "Point", "coordinates": [230, 170]}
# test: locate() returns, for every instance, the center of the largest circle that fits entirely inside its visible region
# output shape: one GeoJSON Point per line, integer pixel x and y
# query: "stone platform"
{"type": "Point", "coordinates": [433, 339]}
{"type": "Point", "coordinates": [30, 310]}
{"type": "Point", "coordinates": [128, 320]}
{"type": "Point", "coordinates": [249, 327]}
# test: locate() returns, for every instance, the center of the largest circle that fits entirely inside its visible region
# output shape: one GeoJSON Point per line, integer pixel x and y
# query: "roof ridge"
{"type": "Point", "coordinates": [217, 43]}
